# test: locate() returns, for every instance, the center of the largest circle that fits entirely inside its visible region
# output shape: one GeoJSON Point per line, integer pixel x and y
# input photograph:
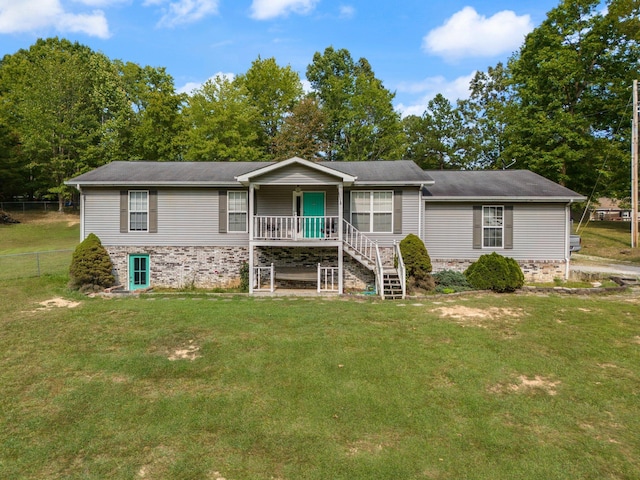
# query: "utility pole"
{"type": "Point", "coordinates": [634, 167]}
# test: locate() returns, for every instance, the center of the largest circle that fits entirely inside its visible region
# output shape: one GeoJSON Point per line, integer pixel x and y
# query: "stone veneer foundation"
{"type": "Point", "coordinates": [539, 271]}
{"type": "Point", "coordinates": [180, 267]}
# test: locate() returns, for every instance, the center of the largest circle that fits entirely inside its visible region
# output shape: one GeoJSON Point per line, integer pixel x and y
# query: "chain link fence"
{"type": "Point", "coordinates": [42, 206]}
{"type": "Point", "coordinates": [35, 264]}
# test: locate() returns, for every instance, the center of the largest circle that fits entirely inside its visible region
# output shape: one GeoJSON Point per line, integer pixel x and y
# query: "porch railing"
{"type": "Point", "coordinates": [402, 271]}
{"type": "Point", "coordinates": [379, 272]}
{"type": "Point", "coordinates": [327, 279]}
{"type": "Point", "coordinates": [359, 242]}
{"type": "Point", "coordinates": [264, 279]}
{"type": "Point", "coordinates": [295, 228]}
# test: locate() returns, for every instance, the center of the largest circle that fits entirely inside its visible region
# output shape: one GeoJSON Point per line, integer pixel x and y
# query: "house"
{"type": "Point", "coordinates": [610, 209]}
{"type": "Point", "coordinates": [331, 226]}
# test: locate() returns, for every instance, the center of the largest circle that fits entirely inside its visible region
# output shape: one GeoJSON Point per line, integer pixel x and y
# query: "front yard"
{"type": "Point", "coordinates": [184, 386]}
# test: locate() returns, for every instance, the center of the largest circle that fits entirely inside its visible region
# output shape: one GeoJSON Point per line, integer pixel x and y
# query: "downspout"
{"type": "Point", "coordinates": [79, 188]}
{"type": "Point", "coordinates": [420, 212]}
{"type": "Point", "coordinates": [567, 241]}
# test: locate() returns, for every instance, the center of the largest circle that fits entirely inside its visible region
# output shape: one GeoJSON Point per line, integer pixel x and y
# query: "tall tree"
{"type": "Point", "coordinates": [50, 96]}
{"type": "Point", "coordinates": [361, 122]}
{"type": "Point", "coordinates": [300, 135]}
{"type": "Point", "coordinates": [572, 82]}
{"type": "Point", "coordinates": [435, 140]}
{"type": "Point", "coordinates": [485, 117]}
{"type": "Point", "coordinates": [154, 124]}
{"type": "Point", "coordinates": [221, 123]}
{"type": "Point", "coordinates": [274, 91]}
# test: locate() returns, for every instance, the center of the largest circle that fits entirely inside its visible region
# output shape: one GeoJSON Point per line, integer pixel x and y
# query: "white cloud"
{"type": "Point", "coordinates": [36, 15]}
{"type": "Point", "coordinates": [347, 11]}
{"type": "Point", "coordinates": [184, 11]}
{"type": "Point", "coordinates": [100, 3]}
{"type": "Point", "coordinates": [468, 34]}
{"type": "Point", "coordinates": [190, 87]}
{"type": "Point", "coordinates": [457, 89]}
{"type": "Point", "coordinates": [267, 9]}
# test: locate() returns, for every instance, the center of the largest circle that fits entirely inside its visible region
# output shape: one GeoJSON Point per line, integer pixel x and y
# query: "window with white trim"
{"type": "Point", "coordinates": [237, 211]}
{"type": "Point", "coordinates": [493, 226]}
{"type": "Point", "coordinates": [372, 211]}
{"type": "Point", "coordinates": [138, 211]}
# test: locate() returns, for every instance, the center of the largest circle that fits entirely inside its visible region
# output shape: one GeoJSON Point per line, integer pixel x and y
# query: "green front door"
{"type": "Point", "coordinates": [313, 214]}
{"type": "Point", "coordinates": [138, 272]}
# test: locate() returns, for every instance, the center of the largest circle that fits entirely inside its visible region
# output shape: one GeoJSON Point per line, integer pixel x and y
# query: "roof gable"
{"type": "Point", "coordinates": [321, 168]}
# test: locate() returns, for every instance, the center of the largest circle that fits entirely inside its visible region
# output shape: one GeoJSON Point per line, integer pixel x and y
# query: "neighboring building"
{"type": "Point", "coordinates": [328, 225]}
{"type": "Point", "coordinates": [609, 209]}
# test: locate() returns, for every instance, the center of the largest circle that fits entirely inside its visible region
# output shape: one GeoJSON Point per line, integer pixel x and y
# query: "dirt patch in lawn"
{"type": "Point", "coordinates": [476, 317]}
{"type": "Point", "coordinates": [528, 385]}
{"type": "Point", "coordinates": [188, 352]}
{"type": "Point", "coordinates": [56, 302]}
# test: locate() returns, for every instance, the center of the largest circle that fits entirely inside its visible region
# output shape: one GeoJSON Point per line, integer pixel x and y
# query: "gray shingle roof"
{"type": "Point", "coordinates": [224, 173]}
{"type": "Point", "coordinates": [450, 185]}
{"type": "Point", "coordinates": [165, 173]}
{"type": "Point", "coordinates": [496, 184]}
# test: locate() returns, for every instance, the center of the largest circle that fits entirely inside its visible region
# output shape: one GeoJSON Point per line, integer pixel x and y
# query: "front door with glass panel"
{"type": "Point", "coordinates": [313, 214]}
{"type": "Point", "coordinates": [138, 272]}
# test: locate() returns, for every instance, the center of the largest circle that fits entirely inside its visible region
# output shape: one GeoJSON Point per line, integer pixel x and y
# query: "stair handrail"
{"type": "Point", "coordinates": [359, 242]}
{"type": "Point", "coordinates": [402, 271]}
{"type": "Point", "coordinates": [379, 272]}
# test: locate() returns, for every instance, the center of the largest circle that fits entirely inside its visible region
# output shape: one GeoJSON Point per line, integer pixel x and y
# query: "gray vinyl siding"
{"type": "Point", "coordinates": [410, 216]}
{"type": "Point", "coordinates": [185, 218]}
{"type": "Point", "coordinates": [296, 175]}
{"type": "Point", "coordinates": [278, 200]}
{"type": "Point", "coordinates": [538, 231]}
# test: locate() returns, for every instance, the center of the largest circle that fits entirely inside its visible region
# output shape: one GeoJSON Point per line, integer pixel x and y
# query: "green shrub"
{"type": "Point", "coordinates": [495, 272]}
{"type": "Point", "coordinates": [450, 281]}
{"type": "Point", "coordinates": [244, 277]}
{"type": "Point", "coordinates": [91, 268]}
{"type": "Point", "coordinates": [417, 263]}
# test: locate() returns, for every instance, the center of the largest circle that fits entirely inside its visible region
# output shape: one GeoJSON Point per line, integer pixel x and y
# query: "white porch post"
{"type": "Point", "coordinates": [340, 245]}
{"type": "Point", "coordinates": [250, 220]}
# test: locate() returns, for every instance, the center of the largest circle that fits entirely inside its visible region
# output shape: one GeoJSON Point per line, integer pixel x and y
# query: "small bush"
{"type": "Point", "coordinates": [417, 263]}
{"type": "Point", "coordinates": [415, 255]}
{"type": "Point", "coordinates": [91, 268]}
{"type": "Point", "coordinates": [244, 277]}
{"type": "Point", "coordinates": [450, 281]}
{"type": "Point", "coordinates": [495, 272]}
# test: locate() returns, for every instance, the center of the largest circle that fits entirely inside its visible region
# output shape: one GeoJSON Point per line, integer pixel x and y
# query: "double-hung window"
{"type": "Point", "coordinates": [138, 211]}
{"type": "Point", "coordinates": [372, 211]}
{"type": "Point", "coordinates": [237, 211]}
{"type": "Point", "coordinates": [493, 226]}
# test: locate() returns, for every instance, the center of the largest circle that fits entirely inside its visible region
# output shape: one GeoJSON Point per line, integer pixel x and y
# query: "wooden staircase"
{"type": "Point", "coordinates": [366, 252]}
{"type": "Point", "coordinates": [391, 285]}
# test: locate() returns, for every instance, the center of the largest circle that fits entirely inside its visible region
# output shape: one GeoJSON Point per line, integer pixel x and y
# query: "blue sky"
{"type": "Point", "coordinates": [418, 48]}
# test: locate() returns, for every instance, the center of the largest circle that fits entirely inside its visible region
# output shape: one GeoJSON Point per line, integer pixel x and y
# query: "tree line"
{"type": "Point", "coordinates": [560, 106]}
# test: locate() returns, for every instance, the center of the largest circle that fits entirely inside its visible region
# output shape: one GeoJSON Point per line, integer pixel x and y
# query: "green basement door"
{"type": "Point", "coordinates": [138, 272]}
{"type": "Point", "coordinates": [313, 206]}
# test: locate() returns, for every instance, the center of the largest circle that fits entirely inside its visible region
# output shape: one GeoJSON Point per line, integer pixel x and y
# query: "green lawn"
{"type": "Point", "coordinates": [479, 386]}
{"type": "Point", "coordinates": [609, 240]}
{"type": "Point", "coordinates": [39, 231]}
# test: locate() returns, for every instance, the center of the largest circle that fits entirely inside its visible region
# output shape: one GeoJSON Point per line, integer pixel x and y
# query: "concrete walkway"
{"type": "Point", "coordinates": [587, 264]}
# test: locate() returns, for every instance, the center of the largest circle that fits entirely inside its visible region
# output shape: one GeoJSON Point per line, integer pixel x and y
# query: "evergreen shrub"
{"type": "Point", "coordinates": [91, 267]}
{"type": "Point", "coordinates": [495, 272]}
{"type": "Point", "coordinates": [450, 281]}
{"type": "Point", "coordinates": [417, 263]}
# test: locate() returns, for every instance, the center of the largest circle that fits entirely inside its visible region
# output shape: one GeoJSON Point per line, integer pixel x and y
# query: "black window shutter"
{"type": "Point", "coordinates": [477, 226]}
{"type": "Point", "coordinates": [153, 211]}
{"type": "Point", "coordinates": [124, 211]}
{"type": "Point", "coordinates": [346, 205]}
{"type": "Point", "coordinates": [222, 211]}
{"type": "Point", "coordinates": [397, 211]}
{"type": "Point", "coordinates": [508, 227]}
